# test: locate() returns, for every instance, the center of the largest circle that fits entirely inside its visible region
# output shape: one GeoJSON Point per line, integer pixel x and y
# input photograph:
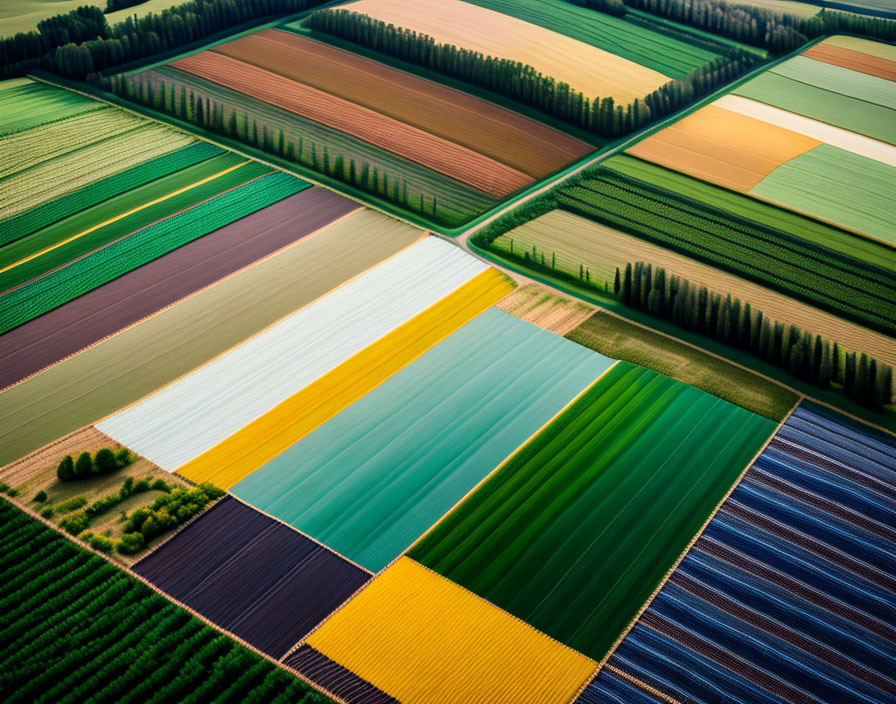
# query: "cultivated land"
{"type": "Point", "coordinates": [578, 528]}
{"type": "Point", "coordinates": [348, 483]}
{"type": "Point", "coordinates": [616, 337]}
{"type": "Point", "coordinates": [553, 313]}
{"type": "Point", "coordinates": [500, 134]}
{"type": "Point", "coordinates": [29, 103]}
{"type": "Point", "coordinates": [142, 647]}
{"type": "Point", "coordinates": [400, 634]}
{"type": "Point", "coordinates": [284, 425]}
{"type": "Point", "coordinates": [577, 242]}
{"type": "Point", "coordinates": [593, 71]}
{"type": "Point", "coordinates": [252, 576]}
{"type": "Point", "coordinates": [143, 358]}
{"type": "Point", "coordinates": [153, 287]}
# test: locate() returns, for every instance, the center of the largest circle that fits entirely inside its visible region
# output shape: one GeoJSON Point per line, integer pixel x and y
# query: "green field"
{"type": "Point", "coordinates": [28, 103]}
{"type": "Point", "coordinates": [670, 56]}
{"type": "Point", "coordinates": [19, 226]}
{"type": "Point", "coordinates": [74, 628]}
{"type": "Point", "coordinates": [618, 338]}
{"type": "Point", "coordinates": [823, 278]}
{"type": "Point", "coordinates": [839, 186]}
{"type": "Point", "coordinates": [64, 251]}
{"type": "Point", "coordinates": [757, 210]}
{"type": "Point", "coordinates": [577, 529]}
{"type": "Point", "coordinates": [60, 286]}
{"type": "Point", "coordinates": [855, 84]}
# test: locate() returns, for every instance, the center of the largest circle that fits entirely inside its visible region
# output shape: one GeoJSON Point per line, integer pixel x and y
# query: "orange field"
{"type": "Point", "coordinates": [852, 59]}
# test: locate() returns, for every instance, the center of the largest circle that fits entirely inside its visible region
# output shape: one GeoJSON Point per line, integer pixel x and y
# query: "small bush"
{"type": "Point", "coordinates": [40, 497]}
{"type": "Point", "coordinates": [105, 461]}
{"type": "Point", "coordinates": [66, 469]}
{"type": "Point", "coordinates": [75, 524]}
{"type": "Point", "coordinates": [48, 512]}
{"type": "Point", "coordinates": [13, 492]}
{"type": "Point", "coordinates": [124, 457]}
{"type": "Point", "coordinates": [160, 485]}
{"type": "Point", "coordinates": [4, 486]}
{"type": "Point", "coordinates": [72, 504]}
{"type": "Point", "coordinates": [98, 542]}
{"type": "Point", "coordinates": [83, 466]}
{"type": "Point", "coordinates": [130, 543]}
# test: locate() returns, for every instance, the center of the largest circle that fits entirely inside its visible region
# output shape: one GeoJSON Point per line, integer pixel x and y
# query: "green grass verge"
{"type": "Point", "coordinates": [618, 338]}
{"type": "Point", "coordinates": [869, 251]}
{"type": "Point", "coordinates": [574, 533]}
{"type": "Point", "coordinates": [56, 288]}
{"type": "Point", "coordinates": [59, 231]}
{"type": "Point", "coordinates": [76, 628]}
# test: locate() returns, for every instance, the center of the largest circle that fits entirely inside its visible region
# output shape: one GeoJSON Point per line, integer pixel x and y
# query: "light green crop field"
{"type": "Point", "coordinates": [844, 188]}
{"type": "Point", "coordinates": [577, 529]}
{"type": "Point", "coordinates": [855, 84]}
{"type": "Point", "coordinates": [23, 15]}
{"type": "Point", "coordinates": [757, 210]}
{"type": "Point", "coordinates": [28, 103]}
{"type": "Point", "coordinates": [671, 57]}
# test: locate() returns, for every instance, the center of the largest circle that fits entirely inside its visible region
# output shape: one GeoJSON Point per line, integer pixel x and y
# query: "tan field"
{"type": "Point", "coordinates": [601, 249]}
{"type": "Point", "coordinates": [498, 133]}
{"type": "Point", "coordinates": [535, 304]}
{"type": "Point", "coordinates": [854, 59]}
{"type": "Point", "coordinates": [593, 71]}
{"type": "Point", "coordinates": [787, 7]}
{"type": "Point", "coordinates": [723, 147]}
{"type": "Point", "coordinates": [404, 140]}
{"type": "Point", "coordinates": [866, 46]}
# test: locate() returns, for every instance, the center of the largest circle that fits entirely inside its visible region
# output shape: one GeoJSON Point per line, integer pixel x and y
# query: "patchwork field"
{"type": "Point", "coordinates": [375, 477]}
{"type": "Point", "coordinates": [814, 134]}
{"type": "Point", "coordinates": [540, 307]}
{"type": "Point", "coordinates": [793, 577]}
{"type": "Point", "coordinates": [578, 528]}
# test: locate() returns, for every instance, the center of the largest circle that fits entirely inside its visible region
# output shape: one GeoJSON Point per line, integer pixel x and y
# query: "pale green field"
{"type": "Point", "coordinates": [23, 15]}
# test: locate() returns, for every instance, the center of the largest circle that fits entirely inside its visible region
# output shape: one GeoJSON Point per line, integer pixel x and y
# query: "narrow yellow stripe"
{"type": "Point", "coordinates": [122, 215]}
{"type": "Point", "coordinates": [423, 639]}
{"type": "Point", "coordinates": [277, 430]}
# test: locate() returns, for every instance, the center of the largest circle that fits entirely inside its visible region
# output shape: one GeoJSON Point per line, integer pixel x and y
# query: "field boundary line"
{"type": "Point", "coordinates": [184, 298]}
{"type": "Point", "coordinates": [263, 330]}
{"type": "Point", "coordinates": [133, 575]}
{"type": "Point", "coordinates": [643, 685]}
{"type": "Point", "coordinates": [694, 539]}
{"type": "Point", "coordinates": [121, 216]}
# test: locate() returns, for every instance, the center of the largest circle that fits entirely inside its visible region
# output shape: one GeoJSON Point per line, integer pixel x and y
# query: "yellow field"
{"type": "Point", "coordinates": [283, 426]}
{"type": "Point", "coordinates": [723, 147]}
{"type": "Point", "coordinates": [592, 71]}
{"type": "Point", "coordinates": [601, 249]}
{"type": "Point", "coordinates": [424, 640]}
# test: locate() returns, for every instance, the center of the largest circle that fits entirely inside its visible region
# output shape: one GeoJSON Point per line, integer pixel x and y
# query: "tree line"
{"type": "Point", "coordinates": [525, 84]}
{"type": "Point", "coordinates": [724, 318]}
{"type": "Point", "coordinates": [81, 42]}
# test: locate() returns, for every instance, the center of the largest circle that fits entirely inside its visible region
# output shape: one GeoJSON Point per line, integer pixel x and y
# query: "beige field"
{"type": "Point", "coordinates": [601, 249]}
{"type": "Point", "coordinates": [788, 7]}
{"type": "Point", "coordinates": [593, 71]}
{"type": "Point", "coordinates": [535, 304]}
{"type": "Point", "coordinates": [866, 46]}
{"type": "Point", "coordinates": [723, 147]}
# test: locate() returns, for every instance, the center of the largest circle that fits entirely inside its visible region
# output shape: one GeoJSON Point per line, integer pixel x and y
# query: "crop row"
{"type": "Point", "coordinates": [54, 289]}
{"type": "Point", "coordinates": [809, 272]}
{"type": "Point", "coordinates": [78, 627]}
{"type": "Point", "coordinates": [28, 103]}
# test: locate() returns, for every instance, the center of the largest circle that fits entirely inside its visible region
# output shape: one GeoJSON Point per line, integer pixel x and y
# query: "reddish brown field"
{"type": "Point", "coordinates": [503, 135]}
{"type": "Point", "coordinates": [855, 60]}
{"type": "Point", "coordinates": [397, 137]}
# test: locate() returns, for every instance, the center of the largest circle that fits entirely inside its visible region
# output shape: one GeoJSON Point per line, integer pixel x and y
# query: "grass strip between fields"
{"type": "Point", "coordinates": [266, 437]}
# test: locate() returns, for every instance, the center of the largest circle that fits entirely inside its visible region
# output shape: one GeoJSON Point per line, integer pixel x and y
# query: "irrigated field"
{"type": "Point", "coordinates": [788, 594]}
{"type": "Point", "coordinates": [579, 527]}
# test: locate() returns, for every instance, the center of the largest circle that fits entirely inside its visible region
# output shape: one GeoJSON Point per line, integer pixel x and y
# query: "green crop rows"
{"type": "Point", "coordinates": [817, 275]}
{"type": "Point", "coordinates": [27, 104]}
{"type": "Point", "coordinates": [58, 287]}
{"type": "Point", "coordinates": [75, 629]}
{"type": "Point", "coordinates": [577, 529]}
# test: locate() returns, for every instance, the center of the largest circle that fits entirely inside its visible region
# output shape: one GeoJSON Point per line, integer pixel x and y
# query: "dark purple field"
{"type": "Point", "coordinates": [342, 682]}
{"type": "Point", "coordinates": [251, 575]}
{"type": "Point", "coordinates": [105, 310]}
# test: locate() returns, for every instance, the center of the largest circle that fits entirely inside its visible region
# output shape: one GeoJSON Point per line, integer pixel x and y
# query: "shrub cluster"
{"type": "Point", "coordinates": [105, 461]}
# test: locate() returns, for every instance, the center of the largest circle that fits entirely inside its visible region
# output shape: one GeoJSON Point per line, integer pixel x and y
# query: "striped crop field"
{"type": "Point", "coordinates": [250, 380]}
{"type": "Point", "coordinates": [285, 424]}
{"type": "Point", "coordinates": [538, 306]}
{"type": "Point", "coordinates": [252, 576]}
{"type": "Point", "coordinates": [74, 626]}
{"type": "Point", "coordinates": [375, 477]}
{"type": "Point", "coordinates": [788, 595]}
{"type": "Point", "coordinates": [95, 315]}
{"type": "Point", "coordinates": [574, 244]}
{"type": "Point", "coordinates": [579, 527]}
{"type": "Point", "coordinates": [28, 103]}
{"type": "Point", "coordinates": [43, 294]}
{"type": "Point", "coordinates": [127, 366]}
{"type": "Point", "coordinates": [766, 255]}
{"type": "Point", "coordinates": [413, 636]}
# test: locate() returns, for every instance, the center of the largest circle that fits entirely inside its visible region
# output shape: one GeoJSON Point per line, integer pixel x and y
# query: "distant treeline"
{"type": "Point", "coordinates": [775, 31]}
{"type": "Point", "coordinates": [115, 5]}
{"type": "Point", "coordinates": [525, 84]}
{"type": "Point", "coordinates": [696, 308]}
{"type": "Point", "coordinates": [81, 42]}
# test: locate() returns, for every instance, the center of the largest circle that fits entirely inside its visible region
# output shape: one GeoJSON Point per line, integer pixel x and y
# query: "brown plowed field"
{"type": "Point", "coordinates": [535, 304]}
{"type": "Point", "coordinates": [404, 140]}
{"type": "Point", "coordinates": [503, 135]}
{"type": "Point", "coordinates": [855, 60]}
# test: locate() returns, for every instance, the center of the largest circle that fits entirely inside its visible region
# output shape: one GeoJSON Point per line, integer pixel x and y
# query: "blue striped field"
{"type": "Point", "coordinates": [790, 593]}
